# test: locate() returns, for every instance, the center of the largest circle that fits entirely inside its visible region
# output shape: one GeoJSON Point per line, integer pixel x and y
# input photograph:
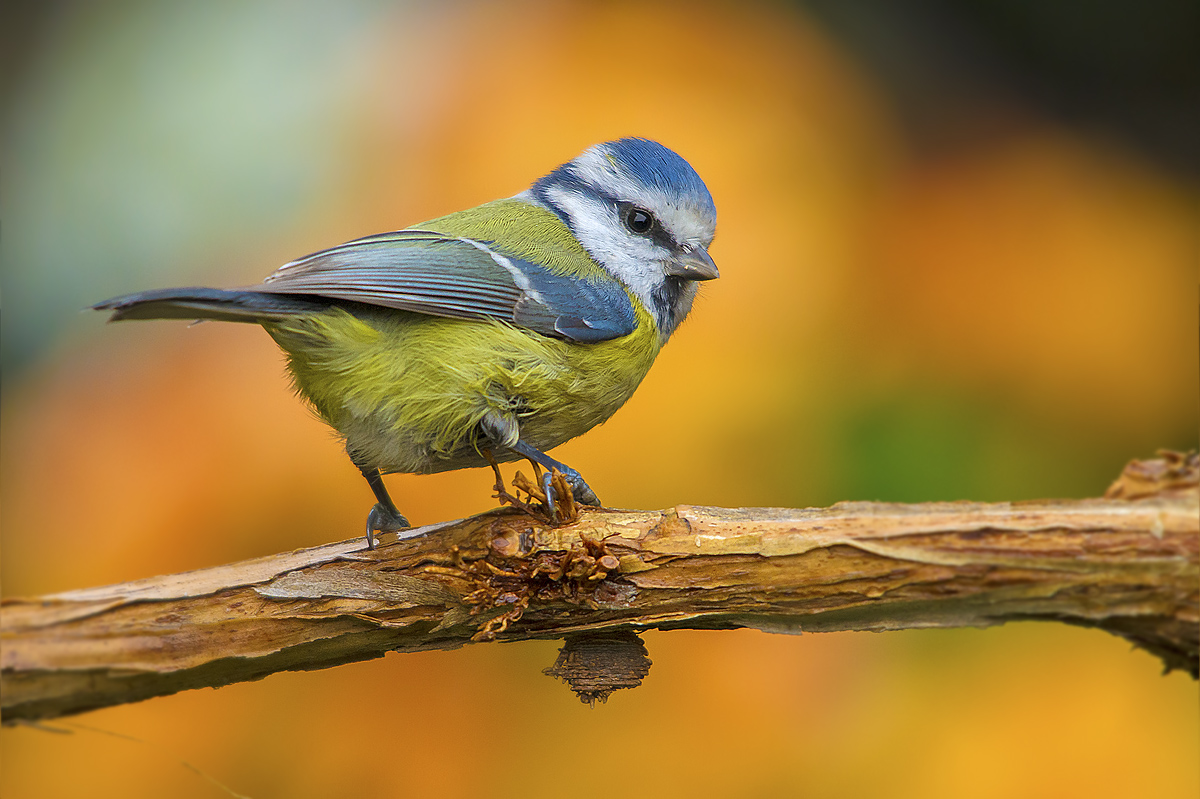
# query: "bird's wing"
{"type": "Point", "coordinates": [442, 275]}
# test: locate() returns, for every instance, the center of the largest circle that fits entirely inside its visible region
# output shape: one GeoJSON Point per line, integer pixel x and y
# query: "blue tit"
{"type": "Point", "coordinates": [490, 334]}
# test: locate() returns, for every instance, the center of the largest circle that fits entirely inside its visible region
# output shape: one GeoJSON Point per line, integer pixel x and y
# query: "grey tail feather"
{"type": "Point", "coordinates": [227, 305]}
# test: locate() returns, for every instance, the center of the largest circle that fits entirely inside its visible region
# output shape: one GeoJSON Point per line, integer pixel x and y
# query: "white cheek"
{"type": "Point", "coordinates": [636, 261]}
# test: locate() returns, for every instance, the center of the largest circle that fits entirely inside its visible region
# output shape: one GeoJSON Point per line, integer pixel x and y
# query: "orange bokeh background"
{"type": "Point", "coordinates": [1011, 318]}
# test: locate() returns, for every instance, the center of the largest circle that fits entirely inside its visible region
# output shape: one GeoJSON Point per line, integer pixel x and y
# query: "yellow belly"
{"type": "Point", "coordinates": [408, 392]}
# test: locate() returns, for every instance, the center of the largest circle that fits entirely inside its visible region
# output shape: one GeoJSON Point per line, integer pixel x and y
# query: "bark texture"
{"type": "Point", "coordinates": [1127, 563]}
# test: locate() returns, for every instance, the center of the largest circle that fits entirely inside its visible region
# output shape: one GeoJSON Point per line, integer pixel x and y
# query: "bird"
{"type": "Point", "coordinates": [490, 334]}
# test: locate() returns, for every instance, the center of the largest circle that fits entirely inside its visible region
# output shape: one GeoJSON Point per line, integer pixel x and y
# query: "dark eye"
{"type": "Point", "coordinates": [639, 220]}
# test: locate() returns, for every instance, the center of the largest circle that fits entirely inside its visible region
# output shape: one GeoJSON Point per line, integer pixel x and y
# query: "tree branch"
{"type": "Point", "coordinates": [1127, 563]}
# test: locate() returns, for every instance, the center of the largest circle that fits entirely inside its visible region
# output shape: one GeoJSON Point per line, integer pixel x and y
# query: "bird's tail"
{"type": "Point", "coordinates": [227, 305]}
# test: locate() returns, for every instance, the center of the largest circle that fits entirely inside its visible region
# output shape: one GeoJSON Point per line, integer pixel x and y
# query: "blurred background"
{"type": "Point", "coordinates": [958, 247]}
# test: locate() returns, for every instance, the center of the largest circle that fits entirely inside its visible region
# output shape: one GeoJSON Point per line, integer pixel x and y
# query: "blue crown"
{"type": "Point", "coordinates": [645, 161]}
{"type": "Point", "coordinates": [659, 168]}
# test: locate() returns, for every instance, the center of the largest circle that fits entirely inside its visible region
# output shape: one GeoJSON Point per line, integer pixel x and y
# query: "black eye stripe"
{"type": "Point", "coordinates": [635, 218]}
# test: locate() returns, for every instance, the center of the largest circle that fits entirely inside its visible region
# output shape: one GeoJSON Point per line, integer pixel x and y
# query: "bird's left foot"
{"type": "Point", "coordinates": [553, 489]}
{"type": "Point", "coordinates": [559, 488]}
{"type": "Point", "coordinates": [560, 497]}
{"type": "Point", "coordinates": [580, 490]}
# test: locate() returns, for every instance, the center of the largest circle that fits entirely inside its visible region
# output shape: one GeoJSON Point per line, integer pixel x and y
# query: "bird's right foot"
{"type": "Point", "coordinates": [385, 520]}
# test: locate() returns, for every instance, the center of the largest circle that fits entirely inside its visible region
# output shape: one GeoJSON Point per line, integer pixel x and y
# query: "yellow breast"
{"type": "Point", "coordinates": [408, 392]}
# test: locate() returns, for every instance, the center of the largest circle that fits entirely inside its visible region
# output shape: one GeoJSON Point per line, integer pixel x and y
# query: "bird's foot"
{"type": "Point", "coordinates": [558, 489]}
{"type": "Point", "coordinates": [385, 520]}
{"type": "Point", "coordinates": [580, 490]}
{"type": "Point", "coordinates": [559, 497]}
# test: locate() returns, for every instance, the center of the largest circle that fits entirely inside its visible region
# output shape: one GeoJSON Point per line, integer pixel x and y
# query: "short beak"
{"type": "Point", "coordinates": [693, 264]}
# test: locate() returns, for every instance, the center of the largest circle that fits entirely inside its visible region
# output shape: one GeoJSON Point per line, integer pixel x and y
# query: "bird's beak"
{"type": "Point", "coordinates": [693, 264]}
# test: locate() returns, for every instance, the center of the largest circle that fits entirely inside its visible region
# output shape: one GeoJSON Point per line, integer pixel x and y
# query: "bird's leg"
{"type": "Point", "coordinates": [384, 517]}
{"type": "Point", "coordinates": [579, 487]}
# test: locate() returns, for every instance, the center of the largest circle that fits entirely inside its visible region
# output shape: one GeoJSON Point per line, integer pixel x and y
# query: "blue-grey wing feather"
{"type": "Point", "coordinates": [431, 273]}
{"type": "Point", "coordinates": [579, 310]}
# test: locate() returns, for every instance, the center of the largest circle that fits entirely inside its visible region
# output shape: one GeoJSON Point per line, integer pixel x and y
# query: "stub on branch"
{"type": "Point", "coordinates": [594, 664]}
{"type": "Point", "coordinates": [1170, 474]}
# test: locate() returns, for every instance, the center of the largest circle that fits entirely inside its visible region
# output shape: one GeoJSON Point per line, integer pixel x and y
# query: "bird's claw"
{"type": "Point", "coordinates": [551, 496]}
{"type": "Point", "coordinates": [582, 492]}
{"type": "Point", "coordinates": [555, 484]}
{"type": "Point", "coordinates": [384, 520]}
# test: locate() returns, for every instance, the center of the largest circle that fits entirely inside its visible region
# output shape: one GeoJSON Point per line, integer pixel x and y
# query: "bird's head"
{"type": "Point", "coordinates": [643, 214]}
